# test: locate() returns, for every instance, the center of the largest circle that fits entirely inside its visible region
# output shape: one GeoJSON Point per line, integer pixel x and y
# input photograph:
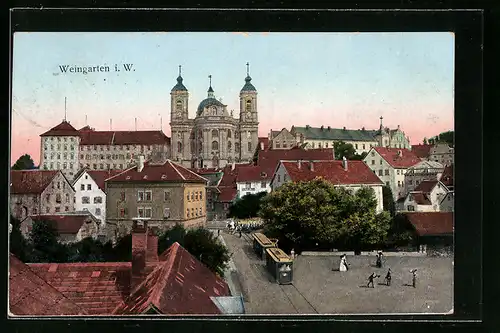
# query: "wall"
{"type": "Point", "coordinates": [448, 203]}
{"type": "Point", "coordinates": [95, 191]}
{"type": "Point", "coordinates": [284, 140]}
{"type": "Point", "coordinates": [22, 205]}
{"type": "Point", "coordinates": [442, 153]}
{"type": "Point", "coordinates": [376, 163]}
{"type": "Point", "coordinates": [279, 177]}
{"type": "Point", "coordinates": [255, 187]}
{"type": "Point", "coordinates": [67, 203]}
{"type": "Point", "coordinates": [58, 146]}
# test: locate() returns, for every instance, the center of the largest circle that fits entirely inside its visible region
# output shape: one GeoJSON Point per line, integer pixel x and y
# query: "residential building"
{"type": "Point", "coordinates": [433, 230]}
{"type": "Point", "coordinates": [214, 177]}
{"type": "Point", "coordinates": [214, 137]}
{"type": "Point", "coordinates": [422, 151]}
{"type": "Point", "coordinates": [447, 177]}
{"type": "Point", "coordinates": [426, 197]}
{"type": "Point", "coordinates": [149, 284]}
{"type": "Point", "coordinates": [252, 180]}
{"type": "Point", "coordinates": [390, 165]}
{"type": "Point", "coordinates": [90, 192]}
{"type": "Point", "coordinates": [447, 204]}
{"type": "Point", "coordinates": [34, 192]}
{"type": "Point", "coordinates": [282, 139]}
{"type": "Point", "coordinates": [422, 171]}
{"type": "Point", "coordinates": [165, 193]}
{"type": "Point", "coordinates": [70, 227]}
{"type": "Point", "coordinates": [441, 152]}
{"type": "Point", "coordinates": [352, 175]}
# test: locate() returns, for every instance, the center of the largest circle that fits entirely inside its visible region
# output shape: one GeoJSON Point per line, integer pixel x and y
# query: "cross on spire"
{"type": "Point", "coordinates": [180, 70]}
{"type": "Point", "coordinates": [248, 70]}
{"type": "Point", "coordinates": [210, 80]}
{"type": "Point", "coordinates": [381, 118]}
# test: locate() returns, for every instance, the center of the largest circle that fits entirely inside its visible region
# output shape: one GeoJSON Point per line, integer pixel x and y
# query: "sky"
{"type": "Point", "coordinates": [332, 79]}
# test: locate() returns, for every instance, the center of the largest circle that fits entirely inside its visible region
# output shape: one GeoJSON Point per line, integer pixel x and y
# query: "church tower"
{"type": "Point", "coordinates": [179, 121]}
{"type": "Point", "coordinates": [249, 123]}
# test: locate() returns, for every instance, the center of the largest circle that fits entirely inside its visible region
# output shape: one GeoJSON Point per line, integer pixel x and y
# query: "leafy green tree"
{"type": "Point", "coordinates": [46, 247]}
{"type": "Point", "coordinates": [24, 162]}
{"type": "Point", "coordinates": [388, 200]}
{"type": "Point", "coordinates": [401, 232]}
{"type": "Point", "coordinates": [18, 245]}
{"type": "Point", "coordinates": [90, 250]}
{"type": "Point", "coordinates": [358, 157]}
{"type": "Point", "coordinates": [122, 251]}
{"type": "Point", "coordinates": [169, 237]}
{"type": "Point", "coordinates": [202, 244]}
{"type": "Point", "coordinates": [247, 206]}
{"type": "Point", "coordinates": [342, 149]}
{"type": "Point", "coordinates": [446, 137]}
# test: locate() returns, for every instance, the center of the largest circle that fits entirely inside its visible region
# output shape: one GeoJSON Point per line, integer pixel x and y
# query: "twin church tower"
{"type": "Point", "coordinates": [214, 137]}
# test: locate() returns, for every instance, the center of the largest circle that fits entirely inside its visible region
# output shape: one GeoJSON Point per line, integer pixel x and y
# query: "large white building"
{"type": "Point", "coordinates": [353, 175]}
{"type": "Point", "coordinates": [252, 180]}
{"type": "Point", "coordinates": [90, 195]}
{"type": "Point", "coordinates": [391, 165]}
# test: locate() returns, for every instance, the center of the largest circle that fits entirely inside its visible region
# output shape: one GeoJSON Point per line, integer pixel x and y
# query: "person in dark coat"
{"type": "Point", "coordinates": [388, 278]}
{"type": "Point", "coordinates": [379, 260]}
{"type": "Point", "coordinates": [414, 278]}
{"type": "Point", "coordinates": [371, 278]}
{"type": "Point", "coordinates": [218, 232]}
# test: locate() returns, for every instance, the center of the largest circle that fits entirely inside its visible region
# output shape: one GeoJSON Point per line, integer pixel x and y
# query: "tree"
{"type": "Point", "coordinates": [401, 232]}
{"type": "Point", "coordinates": [316, 214]}
{"type": "Point", "coordinates": [358, 157]}
{"type": "Point", "coordinates": [446, 137]}
{"type": "Point", "coordinates": [24, 162]}
{"type": "Point", "coordinates": [169, 237]}
{"type": "Point", "coordinates": [425, 141]}
{"type": "Point", "coordinates": [388, 200]}
{"type": "Point", "coordinates": [90, 250]}
{"type": "Point", "coordinates": [122, 251]}
{"type": "Point", "coordinates": [46, 247]}
{"type": "Point", "coordinates": [247, 206]}
{"type": "Point", "coordinates": [342, 149]}
{"type": "Point", "coordinates": [18, 245]}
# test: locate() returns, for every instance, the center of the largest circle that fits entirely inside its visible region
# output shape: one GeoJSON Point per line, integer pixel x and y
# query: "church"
{"type": "Point", "coordinates": [214, 138]}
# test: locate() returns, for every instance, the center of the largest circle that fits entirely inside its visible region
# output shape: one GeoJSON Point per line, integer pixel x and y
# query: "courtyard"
{"type": "Point", "coordinates": [319, 288]}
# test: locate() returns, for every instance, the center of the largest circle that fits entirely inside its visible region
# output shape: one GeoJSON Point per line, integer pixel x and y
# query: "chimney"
{"type": "Point", "coordinates": [299, 164]}
{"type": "Point", "coordinates": [344, 163]}
{"type": "Point", "coordinates": [139, 246]}
{"type": "Point", "coordinates": [261, 145]}
{"type": "Point", "coordinates": [400, 153]}
{"type": "Point", "coordinates": [311, 166]}
{"type": "Point", "coordinates": [233, 166]}
{"type": "Point", "coordinates": [140, 163]}
{"type": "Point", "coordinates": [152, 245]}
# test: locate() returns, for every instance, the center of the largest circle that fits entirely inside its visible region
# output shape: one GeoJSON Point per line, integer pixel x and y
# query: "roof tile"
{"type": "Point", "coordinates": [405, 159]}
{"type": "Point", "coordinates": [431, 223]}
{"type": "Point", "coordinates": [30, 181]}
{"type": "Point", "coordinates": [64, 224]}
{"type": "Point", "coordinates": [63, 129]}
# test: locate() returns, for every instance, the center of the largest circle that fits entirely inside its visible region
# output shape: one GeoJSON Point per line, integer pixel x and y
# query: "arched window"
{"type": "Point", "coordinates": [249, 146]}
{"type": "Point", "coordinates": [248, 106]}
{"type": "Point", "coordinates": [179, 147]}
{"type": "Point", "coordinates": [215, 133]}
{"type": "Point", "coordinates": [236, 147]}
{"type": "Point", "coordinates": [178, 105]}
{"type": "Point", "coordinates": [229, 134]}
{"type": "Point", "coordinates": [215, 145]}
{"type": "Point", "coordinates": [229, 146]}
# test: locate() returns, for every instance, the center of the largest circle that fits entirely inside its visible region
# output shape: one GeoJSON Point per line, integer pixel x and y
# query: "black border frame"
{"type": "Point", "coordinates": [467, 26]}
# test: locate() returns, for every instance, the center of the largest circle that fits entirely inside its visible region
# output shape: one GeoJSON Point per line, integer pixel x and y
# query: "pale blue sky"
{"type": "Point", "coordinates": [335, 79]}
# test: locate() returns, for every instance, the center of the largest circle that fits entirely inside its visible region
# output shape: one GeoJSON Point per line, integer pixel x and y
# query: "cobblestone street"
{"type": "Point", "coordinates": [319, 289]}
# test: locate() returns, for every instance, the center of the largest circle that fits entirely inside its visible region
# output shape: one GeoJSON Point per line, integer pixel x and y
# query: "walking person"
{"type": "Point", "coordinates": [388, 278]}
{"type": "Point", "coordinates": [370, 280]}
{"type": "Point", "coordinates": [414, 278]}
{"type": "Point", "coordinates": [379, 260]}
{"type": "Point", "coordinates": [344, 266]}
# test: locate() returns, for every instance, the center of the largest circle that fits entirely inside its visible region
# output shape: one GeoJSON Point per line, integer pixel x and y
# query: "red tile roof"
{"type": "Point", "coordinates": [205, 171]}
{"type": "Point", "coordinates": [166, 172]}
{"type": "Point", "coordinates": [63, 129]}
{"type": "Point", "coordinates": [426, 186]}
{"type": "Point", "coordinates": [227, 194]}
{"type": "Point", "coordinates": [64, 224]}
{"type": "Point", "coordinates": [100, 176]}
{"type": "Point", "coordinates": [432, 223]}
{"type": "Point", "coordinates": [390, 155]}
{"type": "Point", "coordinates": [421, 198]}
{"type": "Point", "coordinates": [30, 295]}
{"type": "Point", "coordinates": [180, 284]}
{"type": "Point", "coordinates": [251, 173]}
{"type": "Point", "coordinates": [333, 171]}
{"type": "Point", "coordinates": [96, 287]}
{"type": "Point", "coordinates": [421, 151]}
{"type": "Point", "coordinates": [30, 181]}
{"type": "Point", "coordinates": [447, 176]}
{"type": "Point", "coordinates": [91, 137]}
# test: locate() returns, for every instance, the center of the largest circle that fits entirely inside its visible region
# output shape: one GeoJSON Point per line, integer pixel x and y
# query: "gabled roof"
{"type": "Point", "coordinates": [357, 173]}
{"type": "Point", "coordinates": [180, 284]}
{"type": "Point", "coordinates": [431, 223]}
{"type": "Point", "coordinates": [91, 137]}
{"type": "Point", "coordinates": [30, 181]}
{"type": "Point", "coordinates": [166, 172]}
{"type": "Point", "coordinates": [398, 157]}
{"type": "Point", "coordinates": [447, 176]}
{"type": "Point", "coordinates": [421, 151]}
{"type": "Point", "coordinates": [64, 224]}
{"type": "Point", "coordinates": [63, 129]}
{"type": "Point", "coordinates": [252, 173]}
{"type": "Point", "coordinates": [100, 176]}
{"type": "Point", "coordinates": [421, 198]}
{"type": "Point", "coordinates": [30, 295]}
{"type": "Point", "coordinates": [426, 186]}
{"type": "Point", "coordinates": [335, 134]}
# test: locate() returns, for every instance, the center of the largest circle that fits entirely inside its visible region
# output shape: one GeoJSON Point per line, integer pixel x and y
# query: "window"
{"type": "Point", "coordinates": [364, 147]}
{"type": "Point", "coordinates": [263, 184]}
{"type": "Point", "coordinates": [148, 195]}
{"type": "Point", "coordinates": [278, 145]}
{"type": "Point", "coordinates": [373, 153]}
{"type": "Point", "coordinates": [380, 172]}
{"type": "Point", "coordinates": [399, 183]}
{"type": "Point", "coordinates": [380, 162]}
{"type": "Point", "coordinates": [67, 198]}
{"type": "Point", "coordinates": [166, 213]}
{"type": "Point", "coordinates": [140, 212]}
{"type": "Point", "coordinates": [196, 196]}
{"type": "Point", "coordinates": [65, 165]}
{"type": "Point", "coordinates": [122, 196]}
{"type": "Point", "coordinates": [167, 196]}
{"type": "Point", "coordinates": [122, 212]}
{"type": "Point", "coordinates": [192, 196]}
{"type": "Point", "coordinates": [326, 145]}
{"type": "Point", "coordinates": [47, 209]}
{"type": "Point", "coordinates": [215, 145]}
{"type": "Point", "coordinates": [34, 211]}
{"type": "Point", "coordinates": [187, 212]}
{"type": "Point", "coordinates": [66, 209]}
{"type": "Point", "coordinates": [48, 197]}
{"type": "Point", "coordinates": [148, 212]}
{"type": "Point", "coordinates": [58, 209]}
{"type": "Point", "coordinates": [411, 208]}
{"type": "Point", "coordinates": [229, 134]}
{"type": "Point", "coordinates": [249, 146]}
{"type": "Point", "coordinates": [89, 187]}
{"type": "Point", "coordinates": [279, 178]}
{"type": "Point", "coordinates": [215, 134]}
{"type": "Point", "coordinates": [355, 145]}
{"type": "Point", "coordinates": [201, 195]}
{"type": "Point", "coordinates": [85, 200]}
{"type": "Point", "coordinates": [101, 166]}
{"type": "Point", "coordinates": [387, 183]}
{"type": "Point", "coordinates": [97, 200]}
{"type": "Point", "coordinates": [387, 172]}
{"type": "Point", "coordinates": [140, 196]}
{"type": "Point", "coordinates": [248, 185]}
{"type": "Point", "coordinates": [58, 197]}
{"type": "Point", "coordinates": [58, 185]}
{"type": "Point", "coordinates": [397, 172]}
{"type": "Point", "coordinates": [319, 145]}
{"type": "Point", "coordinates": [373, 162]}
{"type": "Point", "coordinates": [417, 182]}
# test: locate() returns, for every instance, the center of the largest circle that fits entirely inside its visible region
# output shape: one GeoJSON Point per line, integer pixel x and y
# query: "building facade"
{"type": "Point", "coordinates": [426, 197]}
{"type": "Point", "coordinates": [214, 137]}
{"type": "Point", "coordinates": [252, 180]}
{"type": "Point", "coordinates": [422, 171]}
{"type": "Point", "coordinates": [441, 152]}
{"type": "Point", "coordinates": [165, 194]}
{"type": "Point", "coordinates": [282, 139]}
{"type": "Point", "coordinates": [34, 192]}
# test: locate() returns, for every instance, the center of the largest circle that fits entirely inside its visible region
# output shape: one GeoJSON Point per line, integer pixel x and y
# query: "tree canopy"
{"type": "Point", "coordinates": [24, 162]}
{"type": "Point", "coordinates": [446, 137]}
{"type": "Point", "coordinates": [347, 150]}
{"type": "Point", "coordinates": [247, 206]}
{"type": "Point", "coordinates": [316, 214]}
{"type": "Point", "coordinates": [388, 200]}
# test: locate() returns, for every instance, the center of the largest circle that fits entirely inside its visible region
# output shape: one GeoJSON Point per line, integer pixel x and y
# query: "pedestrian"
{"type": "Point", "coordinates": [240, 231]}
{"type": "Point", "coordinates": [344, 266]}
{"type": "Point", "coordinates": [370, 280]}
{"type": "Point", "coordinates": [414, 278]}
{"type": "Point", "coordinates": [379, 260]}
{"type": "Point", "coordinates": [218, 232]}
{"type": "Point", "coordinates": [388, 278]}
{"type": "Point", "coordinates": [292, 254]}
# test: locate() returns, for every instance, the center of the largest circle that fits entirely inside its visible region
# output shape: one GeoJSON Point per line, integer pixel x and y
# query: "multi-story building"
{"type": "Point", "coordinates": [90, 192]}
{"type": "Point", "coordinates": [69, 150]}
{"type": "Point", "coordinates": [282, 139]}
{"type": "Point", "coordinates": [426, 197]}
{"type": "Point", "coordinates": [34, 192]}
{"type": "Point", "coordinates": [252, 180]}
{"type": "Point", "coordinates": [214, 177]}
{"type": "Point", "coordinates": [422, 171]}
{"type": "Point", "coordinates": [391, 165]}
{"type": "Point", "coordinates": [214, 137]}
{"type": "Point", "coordinates": [441, 152]}
{"type": "Point", "coordinates": [164, 193]}
{"type": "Point", "coordinates": [352, 175]}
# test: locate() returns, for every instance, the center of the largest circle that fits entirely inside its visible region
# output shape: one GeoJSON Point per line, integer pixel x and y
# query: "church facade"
{"type": "Point", "coordinates": [214, 138]}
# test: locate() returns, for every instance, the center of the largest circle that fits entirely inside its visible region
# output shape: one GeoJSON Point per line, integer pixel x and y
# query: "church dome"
{"type": "Point", "coordinates": [206, 103]}
{"type": "Point", "coordinates": [179, 86]}
{"type": "Point", "coordinates": [248, 85]}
